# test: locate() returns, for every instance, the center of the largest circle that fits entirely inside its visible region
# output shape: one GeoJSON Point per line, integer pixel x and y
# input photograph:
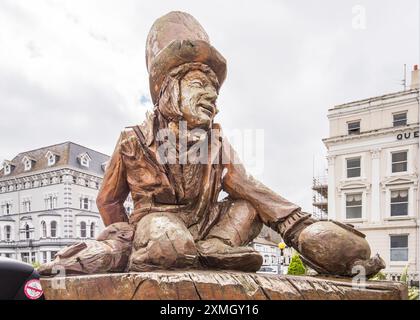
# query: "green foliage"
{"type": "Point", "coordinates": [36, 265]}
{"type": "Point", "coordinates": [296, 266]}
{"type": "Point", "coordinates": [413, 293]}
{"type": "Point", "coordinates": [404, 275]}
{"type": "Point", "coordinates": [379, 276]}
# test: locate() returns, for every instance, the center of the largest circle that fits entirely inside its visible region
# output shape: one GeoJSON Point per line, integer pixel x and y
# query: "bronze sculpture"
{"type": "Point", "coordinates": [178, 222]}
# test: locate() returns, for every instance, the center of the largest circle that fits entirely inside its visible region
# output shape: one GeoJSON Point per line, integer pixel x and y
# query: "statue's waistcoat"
{"type": "Point", "coordinates": [189, 190]}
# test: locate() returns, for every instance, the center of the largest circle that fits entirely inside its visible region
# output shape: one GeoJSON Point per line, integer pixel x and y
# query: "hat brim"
{"type": "Point", "coordinates": [179, 52]}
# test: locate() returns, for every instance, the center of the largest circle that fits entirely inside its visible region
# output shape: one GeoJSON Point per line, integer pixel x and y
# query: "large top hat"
{"type": "Point", "coordinates": [175, 39]}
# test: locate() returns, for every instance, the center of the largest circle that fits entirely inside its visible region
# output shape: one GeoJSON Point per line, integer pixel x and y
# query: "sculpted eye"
{"type": "Point", "coordinates": [197, 84]}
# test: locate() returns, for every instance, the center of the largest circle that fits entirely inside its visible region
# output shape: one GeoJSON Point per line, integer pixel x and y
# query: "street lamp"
{"type": "Point", "coordinates": [281, 246]}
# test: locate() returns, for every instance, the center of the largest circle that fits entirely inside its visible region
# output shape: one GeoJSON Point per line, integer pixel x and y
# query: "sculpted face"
{"type": "Point", "coordinates": [198, 100]}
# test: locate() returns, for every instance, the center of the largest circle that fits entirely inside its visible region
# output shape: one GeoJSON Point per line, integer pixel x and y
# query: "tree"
{"type": "Point", "coordinates": [296, 266]}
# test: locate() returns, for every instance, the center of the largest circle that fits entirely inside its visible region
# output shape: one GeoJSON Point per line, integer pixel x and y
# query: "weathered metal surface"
{"type": "Point", "coordinates": [207, 285]}
{"type": "Point", "coordinates": [175, 166]}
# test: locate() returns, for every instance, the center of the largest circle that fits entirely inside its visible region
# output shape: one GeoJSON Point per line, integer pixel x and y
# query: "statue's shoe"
{"type": "Point", "coordinates": [215, 254]}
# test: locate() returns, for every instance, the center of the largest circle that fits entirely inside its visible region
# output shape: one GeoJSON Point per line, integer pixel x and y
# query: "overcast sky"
{"type": "Point", "coordinates": [75, 71]}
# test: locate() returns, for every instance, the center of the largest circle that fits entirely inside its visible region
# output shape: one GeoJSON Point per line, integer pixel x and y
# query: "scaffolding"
{"type": "Point", "coordinates": [320, 197]}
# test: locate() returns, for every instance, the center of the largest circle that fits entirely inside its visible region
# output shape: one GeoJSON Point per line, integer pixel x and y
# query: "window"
{"type": "Point", "coordinates": [26, 206]}
{"type": "Point", "coordinates": [92, 230]}
{"type": "Point", "coordinates": [266, 259]}
{"type": "Point", "coordinates": [400, 119]}
{"type": "Point", "coordinates": [44, 229]}
{"type": "Point", "coordinates": [273, 259]}
{"type": "Point", "coordinates": [399, 161]}
{"type": "Point", "coordinates": [104, 166]}
{"type": "Point", "coordinates": [28, 165]}
{"type": "Point", "coordinates": [399, 203]}
{"type": "Point", "coordinates": [354, 206]}
{"type": "Point", "coordinates": [50, 202]}
{"type": "Point", "coordinates": [8, 233]}
{"type": "Point", "coordinates": [7, 208]}
{"type": "Point", "coordinates": [353, 168]}
{"type": "Point", "coordinates": [84, 160]}
{"type": "Point", "coordinates": [399, 248]}
{"type": "Point", "coordinates": [51, 160]}
{"type": "Point", "coordinates": [53, 253]}
{"type": "Point", "coordinates": [83, 229]}
{"type": "Point", "coordinates": [53, 231]}
{"type": "Point", "coordinates": [27, 232]}
{"type": "Point", "coordinates": [84, 203]}
{"type": "Point", "coordinates": [25, 257]}
{"type": "Point", "coordinates": [7, 169]}
{"type": "Point", "coordinates": [353, 127]}
{"type": "Point", "coordinates": [44, 257]}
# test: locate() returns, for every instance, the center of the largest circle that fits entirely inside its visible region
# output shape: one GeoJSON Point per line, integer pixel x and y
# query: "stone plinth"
{"type": "Point", "coordinates": [209, 285]}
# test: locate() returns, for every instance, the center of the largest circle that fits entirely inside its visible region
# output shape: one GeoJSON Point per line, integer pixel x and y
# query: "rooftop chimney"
{"type": "Point", "coordinates": [415, 78]}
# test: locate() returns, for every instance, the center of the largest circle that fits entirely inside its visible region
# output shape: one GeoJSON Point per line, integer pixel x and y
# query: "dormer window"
{"type": "Point", "coordinates": [85, 160]}
{"type": "Point", "coordinates": [104, 165]}
{"type": "Point", "coordinates": [28, 165]}
{"type": "Point", "coordinates": [8, 167]}
{"type": "Point", "coordinates": [28, 162]}
{"type": "Point", "coordinates": [52, 158]}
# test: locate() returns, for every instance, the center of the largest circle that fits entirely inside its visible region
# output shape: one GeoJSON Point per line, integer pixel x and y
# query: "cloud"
{"type": "Point", "coordinates": [75, 70]}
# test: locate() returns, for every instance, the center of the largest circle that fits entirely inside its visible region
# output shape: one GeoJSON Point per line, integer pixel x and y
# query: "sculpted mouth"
{"type": "Point", "coordinates": [207, 109]}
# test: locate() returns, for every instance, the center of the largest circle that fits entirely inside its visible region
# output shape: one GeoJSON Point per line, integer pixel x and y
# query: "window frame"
{"type": "Point", "coordinates": [27, 206]}
{"type": "Point", "coordinates": [391, 249]}
{"type": "Point", "coordinates": [399, 162]}
{"type": "Point", "coordinates": [92, 230]}
{"type": "Point", "coordinates": [28, 165]}
{"type": "Point", "coordinates": [51, 160]}
{"type": "Point", "coordinates": [352, 131]}
{"type": "Point", "coordinates": [8, 208]}
{"type": "Point", "coordinates": [8, 233]}
{"type": "Point", "coordinates": [7, 169]}
{"type": "Point", "coordinates": [85, 161]}
{"type": "Point", "coordinates": [55, 228]}
{"type": "Point", "coordinates": [43, 229]}
{"type": "Point", "coordinates": [352, 168]}
{"type": "Point", "coordinates": [407, 203]}
{"type": "Point", "coordinates": [85, 203]}
{"type": "Point", "coordinates": [397, 114]}
{"type": "Point", "coordinates": [27, 232]}
{"type": "Point", "coordinates": [346, 206]}
{"type": "Point", "coordinates": [83, 230]}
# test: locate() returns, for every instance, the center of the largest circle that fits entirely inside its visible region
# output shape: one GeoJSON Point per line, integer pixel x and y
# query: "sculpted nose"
{"type": "Point", "coordinates": [211, 96]}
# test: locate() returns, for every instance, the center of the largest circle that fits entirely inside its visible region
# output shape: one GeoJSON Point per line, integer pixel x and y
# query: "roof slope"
{"type": "Point", "coordinates": [68, 153]}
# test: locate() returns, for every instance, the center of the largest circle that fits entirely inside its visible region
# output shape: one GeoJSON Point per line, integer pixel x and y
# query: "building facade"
{"type": "Point", "coordinates": [48, 200]}
{"type": "Point", "coordinates": [275, 261]}
{"type": "Point", "coordinates": [373, 174]}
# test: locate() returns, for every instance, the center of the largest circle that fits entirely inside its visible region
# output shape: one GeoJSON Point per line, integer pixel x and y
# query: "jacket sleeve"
{"type": "Point", "coordinates": [271, 207]}
{"type": "Point", "coordinates": [114, 189]}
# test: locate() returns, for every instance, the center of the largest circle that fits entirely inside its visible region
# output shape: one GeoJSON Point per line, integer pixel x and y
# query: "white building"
{"type": "Point", "coordinates": [48, 200]}
{"type": "Point", "coordinates": [275, 261]}
{"type": "Point", "coordinates": [373, 173]}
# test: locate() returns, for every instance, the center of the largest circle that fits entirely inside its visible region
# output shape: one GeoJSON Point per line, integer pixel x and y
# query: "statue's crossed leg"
{"type": "Point", "coordinates": [161, 241]}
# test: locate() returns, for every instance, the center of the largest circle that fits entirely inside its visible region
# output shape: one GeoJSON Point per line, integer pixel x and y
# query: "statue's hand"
{"type": "Point", "coordinates": [330, 247]}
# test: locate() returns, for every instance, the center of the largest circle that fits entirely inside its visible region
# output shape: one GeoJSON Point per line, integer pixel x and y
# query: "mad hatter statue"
{"type": "Point", "coordinates": [178, 222]}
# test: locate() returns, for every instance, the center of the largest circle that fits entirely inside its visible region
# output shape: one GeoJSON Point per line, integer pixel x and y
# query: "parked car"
{"type": "Point", "coordinates": [19, 281]}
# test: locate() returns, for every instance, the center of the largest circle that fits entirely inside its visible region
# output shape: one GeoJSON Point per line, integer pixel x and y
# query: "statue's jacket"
{"type": "Point", "coordinates": [133, 168]}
